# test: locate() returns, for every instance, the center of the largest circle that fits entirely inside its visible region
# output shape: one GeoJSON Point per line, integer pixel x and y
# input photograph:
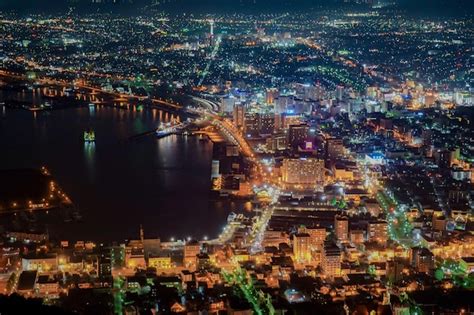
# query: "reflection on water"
{"type": "Point", "coordinates": [89, 156]}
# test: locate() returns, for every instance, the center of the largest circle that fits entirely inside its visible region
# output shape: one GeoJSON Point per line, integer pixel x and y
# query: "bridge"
{"type": "Point", "coordinates": [121, 97]}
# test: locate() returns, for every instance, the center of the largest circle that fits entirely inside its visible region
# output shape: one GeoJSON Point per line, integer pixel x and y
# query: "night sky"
{"type": "Point", "coordinates": [432, 7]}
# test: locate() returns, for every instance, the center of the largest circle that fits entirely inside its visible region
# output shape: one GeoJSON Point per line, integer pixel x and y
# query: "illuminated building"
{"type": "Point", "coordinates": [227, 104]}
{"type": "Point", "coordinates": [47, 287]}
{"type": "Point", "coordinates": [251, 125]}
{"type": "Point", "coordinates": [231, 150]}
{"type": "Point", "coordinates": [211, 32]}
{"type": "Point", "coordinates": [281, 104]}
{"type": "Point", "coordinates": [274, 238]}
{"type": "Point", "coordinates": [191, 250]}
{"type": "Point", "coordinates": [290, 120]}
{"type": "Point", "coordinates": [104, 263]}
{"type": "Point", "coordinates": [377, 232]}
{"type": "Point", "coordinates": [343, 173]}
{"type": "Point", "coordinates": [357, 237]}
{"type": "Point", "coordinates": [135, 257]}
{"type": "Point", "coordinates": [117, 255]}
{"type": "Point", "coordinates": [40, 262]}
{"type": "Point", "coordinates": [373, 207]}
{"type": "Point", "coordinates": [339, 92]}
{"type": "Point", "coordinates": [215, 169]}
{"type": "Point", "coordinates": [331, 260]}
{"type": "Point", "coordinates": [302, 247]}
{"type": "Point", "coordinates": [297, 134]}
{"type": "Point", "coordinates": [422, 259]}
{"type": "Point", "coordinates": [28, 236]}
{"type": "Point", "coordinates": [216, 178]}
{"type": "Point", "coordinates": [318, 237]}
{"type": "Point", "coordinates": [239, 115]}
{"type": "Point", "coordinates": [341, 228]}
{"type": "Point", "coordinates": [277, 142]}
{"type": "Point", "coordinates": [395, 269]}
{"type": "Point", "coordinates": [159, 262]}
{"type": "Point", "coordinates": [203, 261]}
{"type": "Point", "coordinates": [266, 123]}
{"type": "Point", "coordinates": [271, 95]}
{"type": "Point", "coordinates": [375, 158]}
{"type": "Point", "coordinates": [303, 173]}
{"type": "Point", "coordinates": [439, 222]}
{"type": "Point", "coordinates": [335, 148]}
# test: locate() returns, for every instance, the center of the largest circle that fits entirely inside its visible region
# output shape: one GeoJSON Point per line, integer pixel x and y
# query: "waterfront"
{"type": "Point", "coordinates": [118, 183]}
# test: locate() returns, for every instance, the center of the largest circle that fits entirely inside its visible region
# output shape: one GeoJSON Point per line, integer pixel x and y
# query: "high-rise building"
{"type": "Point", "coordinates": [339, 92]}
{"type": "Point", "coordinates": [297, 134]}
{"type": "Point", "coordinates": [281, 103]}
{"type": "Point", "coordinates": [422, 259]}
{"type": "Point", "coordinates": [251, 125]}
{"type": "Point", "coordinates": [303, 173]}
{"type": "Point", "coordinates": [377, 232]}
{"type": "Point", "coordinates": [266, 123]}
{"type": "Point", "coordinates": [104, 262]}
{"type": "Point", "coordinates": [395, 269]}
{"type": "Point", "coordinates": [331, 260]}
{"type": "Point", "coordinates": [211, 33]}
{"type": "Point", "coordinates": [290, 119]}
{"type": "Point", "coordinates": [335, 148]}
{"type": "Point", "coordinates": [318, 237]}
{"type": "Point", "coordinates": [239, 116]}
{"type": "Point", "coordinates": [117, 255]}
{"type": "Point", "coordinates": [357, 237]}
{"type": "Point", "coordinates": [271, 95]}
{"type": "Point", "coordinates": [302, 247]}
{"type": "Point", "coordinates": [341, 228]}
{"type": "Point", "coordinates": [227, 104]}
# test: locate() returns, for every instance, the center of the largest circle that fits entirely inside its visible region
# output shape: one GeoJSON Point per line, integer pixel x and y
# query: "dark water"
{"type": "Point", "coordinates": [118, 183]}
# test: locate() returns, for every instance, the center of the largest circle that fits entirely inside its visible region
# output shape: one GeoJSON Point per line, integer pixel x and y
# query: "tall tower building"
{"type": "Point", "coordinates": [239, 115]}
{"type": "Point", "coordinates": [339, 92]}
{"type": "Point", "coordinates": [211, 23]}
{"type": "Point", "coordinates": [302, 247]}
{"type": "Point", "coordinates": [331, 260]}
{"type": "Point", "coordinates": [341, 227]}
{"type": "Point", "coordinates": [211, 32]}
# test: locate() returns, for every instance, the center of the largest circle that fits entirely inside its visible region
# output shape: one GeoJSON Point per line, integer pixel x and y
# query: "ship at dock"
{"type": "Point", "coordinates": [166, 129]}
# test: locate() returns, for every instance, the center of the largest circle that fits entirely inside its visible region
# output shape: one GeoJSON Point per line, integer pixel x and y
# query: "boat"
{"type": "Point", "coordinates": [89, 136]}
{"type": "Point", "coordinates": [166, 129]}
